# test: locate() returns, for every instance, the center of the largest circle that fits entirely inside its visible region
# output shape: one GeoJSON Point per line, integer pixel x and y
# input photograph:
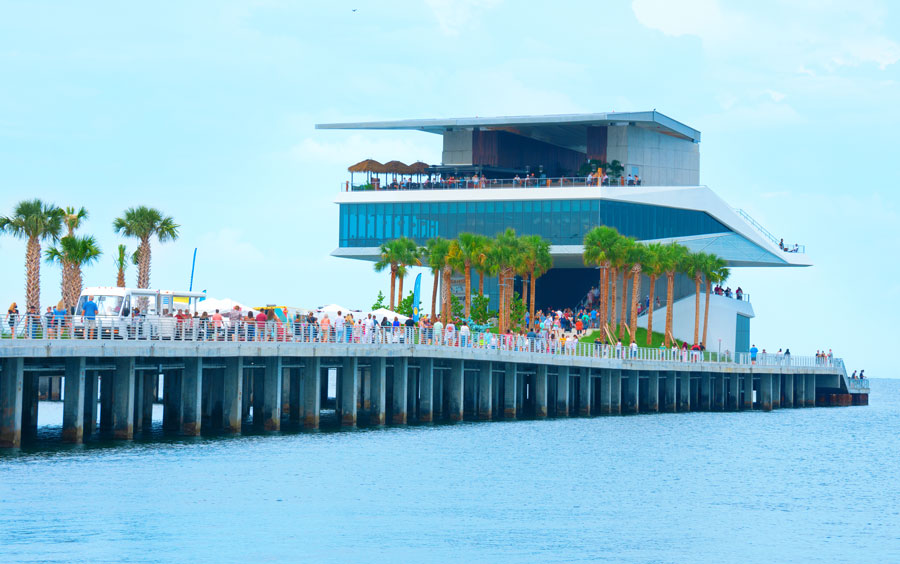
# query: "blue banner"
{"type": "Point", "coordinates": [415, 304]}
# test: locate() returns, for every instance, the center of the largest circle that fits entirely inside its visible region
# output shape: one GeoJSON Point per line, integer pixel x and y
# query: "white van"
{"type": "Point", "coordinates": [117, 318]}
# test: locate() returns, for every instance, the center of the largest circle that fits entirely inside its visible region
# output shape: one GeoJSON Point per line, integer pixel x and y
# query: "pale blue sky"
{"type": "Point", "coordinates": [206, 111]}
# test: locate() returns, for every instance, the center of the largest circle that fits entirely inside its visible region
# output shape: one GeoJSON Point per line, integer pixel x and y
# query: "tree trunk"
{"type": "Point", "coordinates": [481, 283]}
{"type": "Point", "coordinates": [670, 295]}
{"type": "Point", "coordinates": [635, 297]}
{"type": "Point", "coordinates": [624, 320]}
{"type": "Point", "coordinates": [75, 282]}
{"type": "Point", "coordinates": [706, 313]}
{"type": "Point", "coordinates": [696, 310]}
{"type": "Point", "coordinates": [434, 290]}
{"type": "Point", "coordinates": [120, 278]}
{"type": "Point", "coordinates": [393, 283]}
{"type": "Point", "coordinates": [64, 290]}
{"type": "Point", "coordinates": [33, 275]}
{"type": "Point", "coordinates": [399, 290]}
{"type": "Point", "coordinates": [468, 275]}
{"type": "Point", "coordinates": [604, 297]}
{"type": "Point", "coordinates": [650, 312]}
{"type": "Point", "coordinates": [531, 299]}
{"type": "Point", "coordinates": [612, 279]}
{"type": "Point", "coordinates": [144, 263]}
{"type": "Point", "coordinates": [445, 294]}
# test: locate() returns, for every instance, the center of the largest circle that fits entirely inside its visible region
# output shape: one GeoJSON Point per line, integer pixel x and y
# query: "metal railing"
{"type": "Point", "coordinates": [800, 249]}
{"type": "Point", "coordinates": [362, 333]}
{"type": "Point", "coordinates": [491, 183]}
{"type": "Point", "coordinates": [858, 384]}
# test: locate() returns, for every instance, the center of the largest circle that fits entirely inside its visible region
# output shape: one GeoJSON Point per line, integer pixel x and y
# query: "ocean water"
{"type": "Point", "coordinates": [810, 485]}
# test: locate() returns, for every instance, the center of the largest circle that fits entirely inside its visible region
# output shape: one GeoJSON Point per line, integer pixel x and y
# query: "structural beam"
{"type": "Point", "coordinates": [312, 392]}
{"type": "Point", "coordinates": [232, 395]}
{"type": "Point", "coordinates": [378, 387]}
{"type": "Point", "coordinates": [398, 401]}
{"type": "Point", "coordinates": [455, 390]}
{"type": "Point", "coordinates": [349, 390]}
{"type": "Point", "coordinates": [540, 392]}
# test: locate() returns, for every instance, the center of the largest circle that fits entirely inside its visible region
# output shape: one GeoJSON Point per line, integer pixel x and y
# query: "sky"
{"type": "Point", "coordinates": [206, 110]}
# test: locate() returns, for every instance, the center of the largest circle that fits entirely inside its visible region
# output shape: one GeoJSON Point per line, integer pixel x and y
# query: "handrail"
{"type": "Point", "coordinates": [112, 329]}
{"type": "Point", "coordinates": [494, 183]}
{"type": "Point", "coordinates": [801, 249]}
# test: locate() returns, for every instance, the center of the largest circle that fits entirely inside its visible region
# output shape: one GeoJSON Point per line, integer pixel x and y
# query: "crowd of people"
{"type": "Point", "coordinates": [476, 180]}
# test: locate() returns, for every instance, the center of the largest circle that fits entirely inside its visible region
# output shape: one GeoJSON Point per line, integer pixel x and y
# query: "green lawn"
{"type": "Point", "coordinates": [657, 338]}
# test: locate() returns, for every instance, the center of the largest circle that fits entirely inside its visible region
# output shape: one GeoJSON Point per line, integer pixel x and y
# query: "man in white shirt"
{"type": "Point", "coordinates": [438, 329]}
{"type": "Point", "coordinates": [339, 328]}
{"type": "Point", "coordinates": [464, 334]}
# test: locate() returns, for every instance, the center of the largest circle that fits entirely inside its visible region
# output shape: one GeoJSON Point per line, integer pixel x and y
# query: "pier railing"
{"type": "Point", "coordinates": [363, 333]}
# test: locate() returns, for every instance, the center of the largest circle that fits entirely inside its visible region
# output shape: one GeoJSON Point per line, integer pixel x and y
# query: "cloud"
{"type": "Point", "coordinates": [455, 15]}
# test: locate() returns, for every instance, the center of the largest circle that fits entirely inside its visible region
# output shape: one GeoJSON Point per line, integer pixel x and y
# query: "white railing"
{"type": "Point", "coordinates": [362, 333]}
{"type": "Point", "coordinates": [801, 249]}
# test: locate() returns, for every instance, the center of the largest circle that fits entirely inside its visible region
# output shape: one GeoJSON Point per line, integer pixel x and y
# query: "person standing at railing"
{"type": "Point", "coordinates": [12, 318]}
{"type": "Point", "coordinates": [59, 319]}
{"type": "Point", "coordinates": [89, 317]}
{"type": "Point", "coordinates": [49, 323]}
{"type": "Point", "coordinates": [339, 323]}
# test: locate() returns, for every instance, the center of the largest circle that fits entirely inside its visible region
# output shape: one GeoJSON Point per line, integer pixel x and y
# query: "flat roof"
{"type": "Point", "coordinates": [553, 126]}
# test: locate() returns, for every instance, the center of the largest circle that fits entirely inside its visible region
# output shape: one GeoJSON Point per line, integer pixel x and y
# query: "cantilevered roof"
{"type": "Point", "coordinates": [562, 129]}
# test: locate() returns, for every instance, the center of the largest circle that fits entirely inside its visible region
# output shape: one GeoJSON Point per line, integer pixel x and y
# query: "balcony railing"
{"type": "Point", "coordinates": [490, 183]}
{"type": "Point", "coordinates": [795, 248]}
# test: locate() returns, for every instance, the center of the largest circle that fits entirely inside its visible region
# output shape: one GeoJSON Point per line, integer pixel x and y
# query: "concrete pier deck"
{"type": "Point", "coordinates": [212, 386]}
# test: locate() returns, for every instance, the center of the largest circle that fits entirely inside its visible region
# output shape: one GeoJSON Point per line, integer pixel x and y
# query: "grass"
{"type": "Point", "coordinates": [641, 339]}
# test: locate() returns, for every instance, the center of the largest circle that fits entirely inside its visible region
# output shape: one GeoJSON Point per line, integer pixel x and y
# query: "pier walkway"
{"type": "Point", "coordinates": [223, 386]}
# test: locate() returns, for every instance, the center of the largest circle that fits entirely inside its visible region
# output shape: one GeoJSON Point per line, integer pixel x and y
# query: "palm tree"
{"type": "Point", "coordinates": [693, 266]}
{"type": "Point", "coordinates": [654, 269]}
{"type": "Point", "coordinates": [671, 259]}
{"type": "Point", "coordinates": [715, 270]}
{"type": "Point", "coordinates": [480, 260]}
{"type": "Point", "coordinates": [143, 223]}
{"type": "Point", "coordinates": [73, 217]}
{"type": "Point", "coordinates": [469, 250]}
{"type": "Point", "coordinates": [537, 261]}
{"type": "Point", "coordinates": [121, 261]}
{"type": "Point", "coordinates": [36, 221]}
{"type": "Point", "coordinates": [73, 253]}
{"type": "Point", "coordinates": [597, 245]}
{"type": "Point", "coordinates": [409, 256]}
{"type": "Point", "coordinates": [618, 257]}
{"type": "Point", "coordinates": [505, 253]}
{"type": "Point", "coordinates": [636, 254]}
{"type": "Point", "coordinates": [435, 253]}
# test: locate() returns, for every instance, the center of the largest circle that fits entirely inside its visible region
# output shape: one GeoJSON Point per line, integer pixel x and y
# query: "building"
{"type": "Point", "coordinates": [532, 183]}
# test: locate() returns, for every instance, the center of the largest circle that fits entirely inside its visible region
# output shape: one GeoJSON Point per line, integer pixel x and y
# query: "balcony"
{"type": "Point", "coordinates": [485, 183]}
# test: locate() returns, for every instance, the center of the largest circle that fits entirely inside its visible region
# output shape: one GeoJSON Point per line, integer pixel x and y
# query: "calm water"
{"type": "Point", "coordinates": [817, 485]}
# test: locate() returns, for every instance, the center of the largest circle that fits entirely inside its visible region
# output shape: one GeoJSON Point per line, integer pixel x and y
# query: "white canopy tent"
{"type": "Point", "coordinates": [210, 305]}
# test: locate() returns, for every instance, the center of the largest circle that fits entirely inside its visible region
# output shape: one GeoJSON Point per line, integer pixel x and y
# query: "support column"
{"type": "Point", "coordinates": [615, 392]}
{"type": "Point", "coordinates": [653, 391]}
{"type": "Point", "coordinates": [748, 391]}
{"type": "Point", "coordinates": [12, 379]}
{"type": "Point", "coordinates": [734, 392]}
{"type": "Point", "coordinates": [584, 393]}
{"type": "Point", "coordinates": [271, 392]}
{"type": "Point", "coordinates": [705, 391]}
{"type": "Point", "coordinates": [378, 386]}
{"type": "Point", "coordinates": [148, 397]}
{"type": "Point", "coordinates": [91, 390]}
{"type": "Point", "coordinates": [605, 389]}
{"type": "Point", "coordinates": [171, 401]}
{"type": "Point", "coordinates": [286, 390]}
{"type": "Point", "coordinates": [562, 391]}
{"type": "Point", "coordinates": [684, 399]}
{"type": "Point", "coordinates": [426, 390]}
{"type": "Point", "coordinates": [632, 391]}
{"type": "Point", "coordinates": [349, 390]}
{"type": "Point", "coordinates": [540, 391]}
{"type": "Point", "coordinates": [788, 389]}
{"type": "Point", "coordinates": [295, 399]}
{"type": "Point", "coordinates": [412, 384]}
{"type": "Point", "coordinates": [398, 401]}
{"type": "Point", "coordinates": [510, 391]}
{"type": "Point", "coordinates": [138, 405]}
{"type": "Point", "coordinates": [232, 395]}
{"type": "Point", "coordinates": [191, 396]}
{"type": "Point", "coordinates": [485, 391]}
{"type": "Point", "coordinates": [312, 391]}
{"type": "Point", "coordinates": [73, 404]}
{"type": "Point", "coordinates": [455, 389]}
{"type": "Point", "coordinates": [799, 390]}
{"type": "Point", "coordinates": [106, 386]}
{"type": "Point", "coordinates": [719, 394]}
{"type": "Point", "coordinates": [776, 391]}
{"type": "Point", "coordinates": [29, 405]}
{"type": "Point", "coordinates": [810, 390]}
{"type": "Point", "coordinates": [765, 392]}
{"type": "Point", "coordinates": [671, 401]}
{"type": "Point", "coordinates": [123, 399]}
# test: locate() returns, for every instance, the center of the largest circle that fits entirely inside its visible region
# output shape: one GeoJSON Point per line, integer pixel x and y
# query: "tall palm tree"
{"type": "Point", "coordinates": [636, 254]}
{"type": "Point", "coordinates": [537, 261]}
{"type": "Point", "coordinates": [36, 221]}
{"type": "Point", "coordinates": [671, 259]}
{"type": "Point", "coordinates": [654, 269]}
{"type": "Point", "coordinates": [73, 252]}
{"type": "Point", "coordinates": [72, 219]}
{"type": "Point", "coordinates": [480, 260]}
{"type": "Point", "coordinates": [694, 265]}
{"type": "Point", "coordinates": [715, 270]}
{"type": "Point", "coordinates": [505, 254]}
{"type": "Point", "coordinates": [143, 224]}
{"type": "Point", "coordinates": [121, 262]}
{"type": "Point", "coordinates": [468, 251]}
{"type": "Point", "coordinates": [597, 244]}
{"type": "Point", "coordinates": [619, 260]}
{"type": "Point", "coordinates": [409, 256]}
{"type": "Point", "coordinates": [435, 253]}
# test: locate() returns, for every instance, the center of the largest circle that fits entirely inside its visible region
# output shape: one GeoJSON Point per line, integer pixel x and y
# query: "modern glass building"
{"type": "Point", "coordinates": [664, 202]}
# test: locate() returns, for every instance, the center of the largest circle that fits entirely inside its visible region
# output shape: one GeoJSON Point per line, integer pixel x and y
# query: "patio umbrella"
{"type": "Point", "coordinates": [368, 165]}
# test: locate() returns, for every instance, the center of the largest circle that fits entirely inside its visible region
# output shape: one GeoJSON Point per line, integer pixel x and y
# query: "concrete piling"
{"type": "Point", "coordinates": [748, 391]}
{"type": "Point", "coordinates": [191, 397]}
{"type": "Point", "coordinates": [652, 391]}
{"type": "Point", "coordinates": [540, 391]}
{"type": "Point", "coordinates": [776, 391]}
{"type": "Point", "coordinates": [455, 391]}
{"type": "Point", "coordinates": [584, 392]}
{"type": "Point", "coordinates": [123, 399]}
{"type": "Point", "coordinates": [810, 390]}
{"type": "Point", "coordinates": [137, 406]}
{"type": "Point", "coordinates": [91, 390]}
{"type": "Point", "coordinates": [349, 390]}
{"type": "Point", "coordinates": [734, 392]}
{"type": "Point", "coordinates": [426, 390]}
{"type": "Point", "coordinates": [670, 405]}
{"type": "Point", "coordinates": [294, 377]}
{"type": "Point", "coordinates": [705, 392]}
{"type": "Point", "coordinates": [684, 398]}
{"type": "Point", "coordinates": [631, 397]}
{"type": "Point", "coordinates": [485, 391]}
{"type": "Point", "coordinates": [312, 391]}
{"type": "Point", "coordinates": [171, 401]}
{"type": "Point", "coordinates": [378, 387]}
{"type": "Point", "coordinates": [29, 405]}
{"type": "Point", "coordinates": [788, 380]}
{"type": "Point", "coordinates": [562, 391]}
{"type": "Point", "coordinates": [615, 392]}
{"type": "Point", "coordinates": [73, 406]}
{"type": "Point", "coordinates": [148, 398]}
{"type": "Point", "coordinates": [765, 392]}
{"type": "Point", "coordinates": [719, 392]}
{"type": "Point", "coordinates": [232, 395]}
{"type": "Point", "coordinates": [510, 391]}
{"type": "Point", "coordinates": [271, 394]}
{"type": "Point", "coordinates": [398, 401]}
{"type": "Point", "coordinates": [12, 379]}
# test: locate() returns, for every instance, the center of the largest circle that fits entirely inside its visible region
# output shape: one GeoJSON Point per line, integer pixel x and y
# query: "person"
{"type": "Point", "coordinates": [633, 349]}
{"type": "Point", "coordinates": [629, 181]}
{"type": "Point", "coordinates": [339, 327]}
{"type": "Point", "coordinates": [217, 322]}
{"type": "Point", "coordinates": [796, 248]}
{"type": "Point", "coordinates": [450, 332]}
{"type": "Point", "coordinates": [409, 329]}
{"type": "Point", "coordinates": [739, 294]}
{"type": "Point", "coordinates": [48, 322]}
{"type": "Point", "coordinates": [753, 352]}
{"type": "Point", "coordinates": [12, 317]}
{"type": "Point", "coordinates": [517, 180]}
{"type": "Point", "coordinates": [89, 317]}
{"type": "Point", "coordinates": [637, 180]}
{"type": "Point", "coordinates": [781, 244]}
{"type": "Point", "coordinates": [853, 376]}
{"type": "Point", "coordinates": [464, 334]}
{"type": "Point", "coordinates": [695, 352]}
{"type": "Point", "coordinates": [261, 318]}
{"type": "Point", "coordinates": [830, 357]}
{"type": "Point", "coordinates": [787, 356]}
{"type": "Point", "coordinates": [862, 374]}
{"type": "Point", "coordinates": [59, 317]}
{"type": "Point", "coordinates": [579, 327]}
{"type": "Point", "coordinates": [437, 330]}
{"type": "Point", "coordinates": [619, 349]}
{"type": "Point", "coordinates": [325, 328]}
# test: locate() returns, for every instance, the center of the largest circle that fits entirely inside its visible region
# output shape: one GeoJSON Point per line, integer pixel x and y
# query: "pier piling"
{"type": "Point", "coordinates": [271, 394]}
{"type": "Point", "coordinates": [510, 391]}
{"type": "Point", "coordinates": [562, 391]}
{"type": "Point", "coordinates": [765, 392]}
{"type": "Point", "coordinates": [455, 390]}
{"type": "Point", "coordinates": [232, 395]}
{"type": "Point", "coordinates": [540, 392]}
{"type": "Point", "coordinates": [426, 390]}
{"type": "Point", "coordinates": [398, 401]}
{"type": "Point", "coordinates": [584, 392]}
{"type": "Point", "coordinates": [312, 392]}
{"type": "Point", "coordinates": [349, 389]}
{"type": "Point", "coordinates": [122, 398]}
{"type": "Point", "coordinates": [485, 391]}
{"type": "Point", "coordinates": [12, 378]}
{"type": "Point", "coordinates": [73, 405]}
{"type": "Point", "coordinates": [378, 372]}
{"type": "Point", "coordinates": [191, 397]}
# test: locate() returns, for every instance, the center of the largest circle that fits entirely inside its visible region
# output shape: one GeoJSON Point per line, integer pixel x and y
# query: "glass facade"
{"type": "Point", "coordinates": [562, 222]}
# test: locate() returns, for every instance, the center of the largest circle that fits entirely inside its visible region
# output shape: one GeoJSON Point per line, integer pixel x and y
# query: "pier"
{"type": "Point", "coordinates": [226, 387]}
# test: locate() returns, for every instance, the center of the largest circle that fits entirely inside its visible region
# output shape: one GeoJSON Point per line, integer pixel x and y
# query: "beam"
{"type": "Point", "coordinates": [540, 391]}
{"type": "Point", "coordinates": [12, 379]}
{"type": "Point", "coordinates": [123, 399]}
{"type": "Point", "coordinates": [73, 406]}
